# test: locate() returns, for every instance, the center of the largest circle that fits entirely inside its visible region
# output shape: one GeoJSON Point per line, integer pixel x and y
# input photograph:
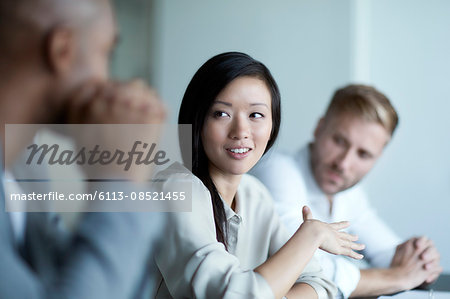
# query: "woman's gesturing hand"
{"type": "Point", "coordinates": [331, 237]}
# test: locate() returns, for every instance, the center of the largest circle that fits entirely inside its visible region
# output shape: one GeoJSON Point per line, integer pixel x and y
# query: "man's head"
{"type": "Point", "coordinates": [52, 47]}
{"type": "Point", "coordinates": [351, 136]}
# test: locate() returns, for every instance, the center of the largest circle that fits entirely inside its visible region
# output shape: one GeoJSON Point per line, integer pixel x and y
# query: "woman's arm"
{"type": "Point", "coordinates": [301, 290]}
{"type": "Point", "coordinates": [192, 262]}
{"type": "Point", "coordinates": [283, 268]}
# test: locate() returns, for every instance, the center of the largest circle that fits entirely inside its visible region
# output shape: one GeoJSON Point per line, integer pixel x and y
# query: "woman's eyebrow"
{"type": "Point", "coordinates": [230, 105]}
{"type": "Point", "coordinates": [223, 103]}
{"type": "Point", "coordinates": [259, 104]}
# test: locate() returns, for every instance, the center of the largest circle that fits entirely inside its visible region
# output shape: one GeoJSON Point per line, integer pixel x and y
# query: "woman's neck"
{"type": "Point", "coordinates": [226, 185]}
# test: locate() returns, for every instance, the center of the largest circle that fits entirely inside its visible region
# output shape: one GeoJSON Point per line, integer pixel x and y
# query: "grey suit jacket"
{"type": "Point", "coordinates": [110, 255]}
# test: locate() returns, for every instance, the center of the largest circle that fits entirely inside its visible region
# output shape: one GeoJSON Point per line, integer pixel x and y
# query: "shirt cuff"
{"type": "Point", "coordinates": [346, 276]}
{"type": "Point", "coordinates": [323, 293]}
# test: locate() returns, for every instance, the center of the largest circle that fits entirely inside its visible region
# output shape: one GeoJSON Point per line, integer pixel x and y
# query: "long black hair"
{"type": "Point", "coordinates": [207, 83]}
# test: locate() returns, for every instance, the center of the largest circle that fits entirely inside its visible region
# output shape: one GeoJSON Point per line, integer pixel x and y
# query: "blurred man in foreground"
{"type": "Point", "coordinates": [54, 69]}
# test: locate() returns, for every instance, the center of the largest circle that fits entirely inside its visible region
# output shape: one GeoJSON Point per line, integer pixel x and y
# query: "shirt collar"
{"type": "Point", "coordinates": [317, 197]}
{"type": "Point", "coordinates": [229, 213]}
{"type": "Point", "coordinates": [303, 160]}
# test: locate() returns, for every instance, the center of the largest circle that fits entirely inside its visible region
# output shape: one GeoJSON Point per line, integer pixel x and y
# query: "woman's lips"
{"type": "Point", "coordinates": [239, 152]}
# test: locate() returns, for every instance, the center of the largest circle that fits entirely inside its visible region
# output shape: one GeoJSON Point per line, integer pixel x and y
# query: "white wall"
{"type": "Point", "coordinates": [410, 61]}
{"type": "Point", "coordinates": [313, 47]}
{"type": "Point", "coordinates": [307, 64]}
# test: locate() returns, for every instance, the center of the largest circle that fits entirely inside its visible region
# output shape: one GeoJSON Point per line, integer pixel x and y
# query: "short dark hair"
{"type": "Point", "coordinates": [212, 77]}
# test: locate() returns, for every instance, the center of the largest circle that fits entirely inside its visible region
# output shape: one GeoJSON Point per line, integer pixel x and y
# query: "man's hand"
{"type": "Point", "coordinates": [416, 262]}
{"type": "Point", "coordinates": [430, 256]}
{"type": "Point", "coordinates": [114, 108]}
{"type": "Point", "coordinates": [115, 103]}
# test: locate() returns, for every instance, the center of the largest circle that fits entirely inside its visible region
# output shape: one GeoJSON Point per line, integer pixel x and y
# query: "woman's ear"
{"type": "Point", "coordinates": [59, 50]}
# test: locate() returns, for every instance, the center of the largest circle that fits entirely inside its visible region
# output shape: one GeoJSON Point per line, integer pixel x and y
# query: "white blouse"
{"type": "Point", "coordinates": [193, 264]}
{"type": "Point", "coordinates": [292, 185]}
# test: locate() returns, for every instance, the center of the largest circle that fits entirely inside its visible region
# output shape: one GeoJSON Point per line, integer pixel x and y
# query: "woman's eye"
{"type": "Point", "coordinates": [256, 115]}
{"type": "Point", "coordinates": [219, 114]}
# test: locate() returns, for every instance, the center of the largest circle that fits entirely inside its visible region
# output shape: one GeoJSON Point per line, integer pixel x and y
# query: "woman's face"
{"type": "Point", "coordinates": [238, 126]}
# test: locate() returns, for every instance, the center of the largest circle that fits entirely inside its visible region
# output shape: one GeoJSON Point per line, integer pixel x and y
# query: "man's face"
{"type": "Point", "coordinates": [345, 148]}
{"type": "Point", "coordinates": [94, 37]}
{"type": "Point", "coordinates": [96, 42]}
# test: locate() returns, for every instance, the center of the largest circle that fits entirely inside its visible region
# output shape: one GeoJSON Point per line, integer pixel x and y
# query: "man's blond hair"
{"type": "Point", "coordinates": [365, 102]}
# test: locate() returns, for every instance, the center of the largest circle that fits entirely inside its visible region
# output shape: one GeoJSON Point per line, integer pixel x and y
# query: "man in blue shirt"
{"type": "Point", "coordinates": [54, 69]}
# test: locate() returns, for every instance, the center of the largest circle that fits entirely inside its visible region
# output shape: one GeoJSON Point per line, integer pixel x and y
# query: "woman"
{"type": "Point", "coordinates": [232, 244]}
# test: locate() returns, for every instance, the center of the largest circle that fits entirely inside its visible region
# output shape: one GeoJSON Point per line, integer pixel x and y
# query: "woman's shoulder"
{"type": "Point", "coordinates": [254, 189]}
{"type": "Point", "coordinates": [177, 177]}
{"type": "Point", "coordinates": [250, 181]}
{"type": "Point", "coordinates": [174, 171]}
{"type": "Point", "coordinates": [177, 172]}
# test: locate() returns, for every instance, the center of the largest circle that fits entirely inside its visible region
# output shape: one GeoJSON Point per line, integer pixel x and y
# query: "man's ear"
{"type": "Point", "coordinates": [60, 50]}
{"type": "Point", "coordinates": [320, 127]}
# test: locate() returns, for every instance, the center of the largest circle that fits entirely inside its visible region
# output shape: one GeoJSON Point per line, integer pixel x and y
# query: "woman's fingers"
{"type": "Point", "coordinates": [347, 236]}
{"type": "Point", "coordinates": [349, 245]}
{"type": "Point", "coordinates": [339, 242]}
{"type": "Point", "coordinates": [358, 246]}
{"type": "Point", "coordinates": [340, 225]}
{"type": "Point", "coordinates": [349, 240]}
{"type": "Point", "coordinates": [355, 255]}
{"type": "Point", "coordinates": [307, 214]}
